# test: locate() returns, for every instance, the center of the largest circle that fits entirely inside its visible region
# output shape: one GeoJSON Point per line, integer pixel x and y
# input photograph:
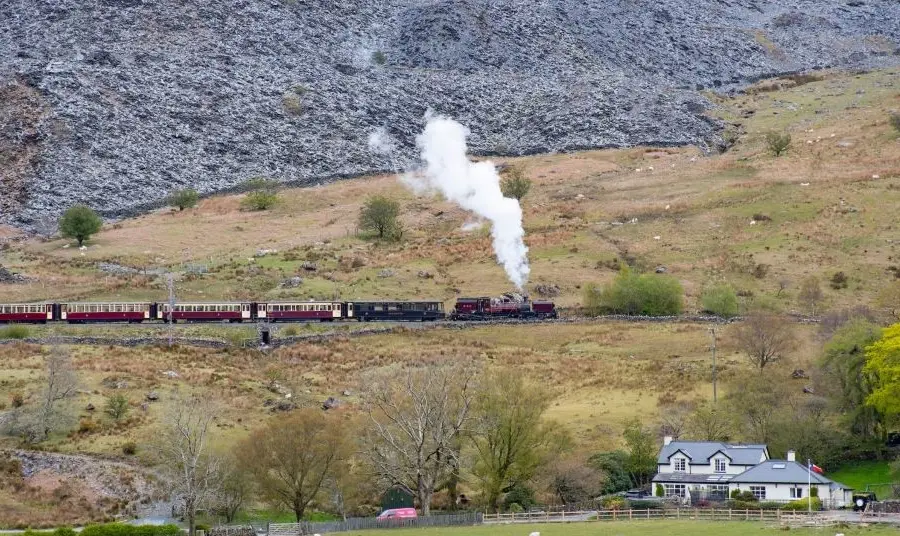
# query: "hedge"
{"type": "Point", "coordinates": [121, 529]}
{"type": "Point", "coordinates": [802, 505]}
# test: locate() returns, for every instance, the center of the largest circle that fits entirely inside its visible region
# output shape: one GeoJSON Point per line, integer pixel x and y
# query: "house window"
{"type": "Point", "coordinates": [759, 492]}
{"type": "Point", "coordinates": [679, 464]}
{"type": "Point", "coordinates": [796, 493]}
{"type": "Point", "coordinates": [675, 490]}
{"type": "Point", "coordinates": [720, 466]}
{"type": "Point", "coordinates": [718, 491]}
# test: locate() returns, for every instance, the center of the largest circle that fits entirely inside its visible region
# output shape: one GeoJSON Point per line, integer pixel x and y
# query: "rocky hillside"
{"type": "Point", "coordinates": [115, 102]}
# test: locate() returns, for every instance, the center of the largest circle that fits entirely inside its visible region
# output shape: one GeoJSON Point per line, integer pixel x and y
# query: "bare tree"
{"type": "Point", "coordinates": [61, 383]}
{"type": "Point", "coordinates": [184, 450]}
{"type": "Point", "coordinates": [290, 459]}
{"type": "Point", "coordinates": [709, 423]}
{"type": "Point", "coordinates": [765, 338]}
{"type": "Point", "coordinates": [811, 294]}
{"type": "Point", "coordinates": [233, 491]}
{"type": "Point", "coordinates": [416, 418]}
{"type": "Point", "coordinates": [573, 481]}
{"type": "Point", "coordinates": [673, 418]}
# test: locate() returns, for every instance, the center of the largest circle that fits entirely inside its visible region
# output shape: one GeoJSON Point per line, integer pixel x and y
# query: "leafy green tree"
{"type": "Point", "coordinates": [642, 450]}
{"type": "Point", "coordinates": [720, 300]}
{"type": "Point", "coordinates": [379, 215]}
{"type": "Point", "coordinates": [883, 367]}
{"type": "Point", "coordinates": [778, 143]}
{"type": "Point", "coordinates": [117, 407]}
{"type": "Point", "coordinates": [262, 194]}
{"type": "Point", "coordinates": [843, 362]}
{"type": "Point", "coordinates": [516, 185]}
{"type": "Point", "coordinates": [186, 198]}
{"type": "Point", "coordinates": [710, 423]}
{"type": "Point", "coordinates": [510, 440]}
{"type": "Point", "coordinates": [614, 468]}
{"type": "Point", "coordinates": [79, 222]}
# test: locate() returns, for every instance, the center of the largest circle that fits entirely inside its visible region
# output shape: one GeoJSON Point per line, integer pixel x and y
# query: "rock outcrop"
{"type": "Point", "coordinates": [114, 103]}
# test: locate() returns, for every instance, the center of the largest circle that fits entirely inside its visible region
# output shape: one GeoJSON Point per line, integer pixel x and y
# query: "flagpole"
{"type": "Point", "coordinates": [809, 483]}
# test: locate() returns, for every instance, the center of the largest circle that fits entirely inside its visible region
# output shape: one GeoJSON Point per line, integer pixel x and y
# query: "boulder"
{"type": "Point", "coordinates": [152, 396]}
{"type": "Point", "coordinates": [331, 403]}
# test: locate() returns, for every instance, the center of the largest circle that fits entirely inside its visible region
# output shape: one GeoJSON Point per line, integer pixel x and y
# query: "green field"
{"type": "Point", "coordinates": [860, 474]}
{"type": "Point", "coordinates": [642, 528]}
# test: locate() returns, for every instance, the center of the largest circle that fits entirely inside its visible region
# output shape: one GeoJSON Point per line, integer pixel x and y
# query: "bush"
{"type": "Point", "coordinates": [121, 529]}
{"type": "Point", "coordinates": [516, 185]}
{"type": "Point", "coordinates": [79, 222]}
{"type": "Point", "coordinates": [14, 332]}
{"type": "Point", "coordinates": [801, 505]}
{"type": "Point", "coordinates": [117, 407]}
{"type": "Point", "coordinates": [202, 526]}
{"type": "Point", "coordinates": [515, 508]}
{"type": "Point", "coordinates": [743, 496]}
{"type": "Point", "coordinates": [262, 194]}
{"type": "Point", "coordinates": [778, 143]}
{"type": "Point", "coordinates": [660, 490]}
{"type": "Point", "coordinates": [129, 448]}
{"type": "Point", "coordinates": [895, 121]}
{"type": "Point", "coordinates": [65, 531]}
{"type": "Point", "coordinates": [633, 294]}
{"type": "Point", "coordinates": [613, 503]}
{"type": "Point", "coordinates": [645, 505]}
{"type": "Point", "coordinates": [839, 280]}
{"type": "Point", "coordinates": [519, 494]}
{"type": "Point", "coordinates": [720, 300]}
{"type": "Point", "coordinates": [186, 198]}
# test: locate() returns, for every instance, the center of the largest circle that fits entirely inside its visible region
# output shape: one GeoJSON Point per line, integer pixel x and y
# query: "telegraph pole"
{"type": "Point", "coordinates": [712, 332]}
{"type": "Point", "coordinates": [170, 282]}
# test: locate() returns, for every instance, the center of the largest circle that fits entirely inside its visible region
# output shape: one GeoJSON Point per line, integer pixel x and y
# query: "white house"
{"type": "Point", "coordinates": [711, 470]}
{"type": "Point", "coordinates": [703, 467]}
{"type": "Point", "coordinates": [787, 480]}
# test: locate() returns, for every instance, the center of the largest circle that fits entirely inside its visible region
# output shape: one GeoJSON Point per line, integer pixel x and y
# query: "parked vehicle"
{"type": "Point", "coordinates": [861, 499]}
{"type": "Point", "coordinates": [637, 494]}
{"type": "Point", "coordinates": [398, 513]}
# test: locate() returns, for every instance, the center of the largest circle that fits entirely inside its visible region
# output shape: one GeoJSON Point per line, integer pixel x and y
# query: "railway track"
{"type": "Point", "coordinates": [158, 334]}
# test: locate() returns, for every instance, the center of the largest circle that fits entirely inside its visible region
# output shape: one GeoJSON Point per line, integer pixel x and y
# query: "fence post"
{"type": "Point", "coordinates": [678, 513]}
{"type": "Point", "coordinates": [648, 513]}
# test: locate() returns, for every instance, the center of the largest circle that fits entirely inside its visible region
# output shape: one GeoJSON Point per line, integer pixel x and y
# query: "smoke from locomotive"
{"type": "Point", "coordinates": [474, 187]}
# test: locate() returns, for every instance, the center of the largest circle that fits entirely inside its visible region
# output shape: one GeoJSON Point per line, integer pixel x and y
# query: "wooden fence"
{"type": "Point", "coordinates": [366, 523]}
{"type": "Point", "coordinates": [710, 514]}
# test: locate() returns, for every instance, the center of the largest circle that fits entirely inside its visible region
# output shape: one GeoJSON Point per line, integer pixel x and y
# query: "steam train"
{"type": "Point", "coordinates": [507, 306]}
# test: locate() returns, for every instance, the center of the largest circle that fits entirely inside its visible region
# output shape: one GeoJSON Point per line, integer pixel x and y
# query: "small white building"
{"type": "Point", "coordinates": [787, 480]}
{"type": "Point", "coordinates": [712, 470]}
{"type": "Point", "coordinates": [703, 468]}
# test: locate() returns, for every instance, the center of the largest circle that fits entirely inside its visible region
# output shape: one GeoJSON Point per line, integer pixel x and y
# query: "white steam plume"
{"type": "Point", "coordinates": [474, 187]}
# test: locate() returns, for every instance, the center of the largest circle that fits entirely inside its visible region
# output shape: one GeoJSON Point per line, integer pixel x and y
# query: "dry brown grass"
{"type": "Point", "coordinates": [841, 140]}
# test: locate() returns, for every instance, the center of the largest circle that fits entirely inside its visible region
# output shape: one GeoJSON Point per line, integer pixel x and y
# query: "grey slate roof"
{"type": "Point", "coordinates": [699, 452]}
{"type": "Point", "coordinates": [695, 478]}
{"type": "Point", "coordinates": [783, 472]}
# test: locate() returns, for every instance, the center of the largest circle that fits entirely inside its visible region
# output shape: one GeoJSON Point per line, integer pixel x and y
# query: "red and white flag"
{"type": "Point", "coordinates": [816, 469]}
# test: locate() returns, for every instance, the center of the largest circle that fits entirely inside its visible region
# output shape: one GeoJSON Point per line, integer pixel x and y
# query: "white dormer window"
{"type": "Point", "coordinates": [679, 464]}
{"type": "Point", "coordinates": [720, 465]}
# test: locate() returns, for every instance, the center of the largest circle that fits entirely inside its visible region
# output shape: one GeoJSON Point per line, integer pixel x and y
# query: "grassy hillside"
{"type": "Point", "coordinates": [823, 208]}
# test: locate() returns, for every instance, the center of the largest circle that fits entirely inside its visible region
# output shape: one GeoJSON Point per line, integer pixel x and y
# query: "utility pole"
{"type": "Point", "coordinates": [712, 332]}
{"type": "Point", "coordinates": [170, 282]}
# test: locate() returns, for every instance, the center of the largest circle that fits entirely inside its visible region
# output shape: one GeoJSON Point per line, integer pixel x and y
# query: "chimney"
{"type": "Point", "coordinates": [667, 439]}
{"type": "Point", "coordinates": [791, 456]}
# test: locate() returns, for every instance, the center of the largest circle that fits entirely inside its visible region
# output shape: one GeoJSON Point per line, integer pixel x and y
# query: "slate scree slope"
{"type": "Point", "coordinates": [114, 103]}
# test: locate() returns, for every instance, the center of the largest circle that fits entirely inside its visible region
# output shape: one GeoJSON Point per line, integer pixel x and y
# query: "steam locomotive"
{"type": "Point", "coordinates": [507, 306]}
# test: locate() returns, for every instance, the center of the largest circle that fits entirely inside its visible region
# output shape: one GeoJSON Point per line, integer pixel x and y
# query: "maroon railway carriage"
{"type": "Point", "coordinates": [299, 311]}
{"type": "Point", "coordinates": [11, 313]}
{"type": "Point", "coordinates": [134, 312]}
{"type": "Point", "coordinates": [206, 312]}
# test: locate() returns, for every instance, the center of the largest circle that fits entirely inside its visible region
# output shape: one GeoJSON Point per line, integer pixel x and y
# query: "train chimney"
{"type": "Point", "coordinates": [667, 439]}
{"type": "Point", "coordinates": [791, 456]}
